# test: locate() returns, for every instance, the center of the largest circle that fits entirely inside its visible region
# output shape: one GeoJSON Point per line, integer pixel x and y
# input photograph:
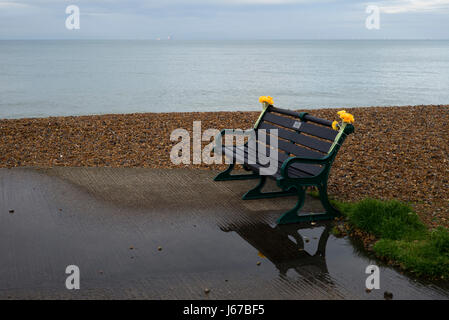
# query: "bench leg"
{"type": "Point", "coordinates": [321, 251]}
{"type": "Point", "coordinates": [226, 175]}
{"type": "Point", "coordinates": [330, 209]}
{"type": "Point", "coordinates": [292, 216]}
{"type": "Point", "coordinates": [256, 192]}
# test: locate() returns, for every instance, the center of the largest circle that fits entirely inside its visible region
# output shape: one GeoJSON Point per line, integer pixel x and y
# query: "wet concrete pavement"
{"type": "Point", "coordinates": [110, 222]}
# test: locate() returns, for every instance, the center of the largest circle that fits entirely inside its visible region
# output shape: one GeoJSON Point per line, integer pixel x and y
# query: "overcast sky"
{"type": "Point", "coordinates": [224, 19]}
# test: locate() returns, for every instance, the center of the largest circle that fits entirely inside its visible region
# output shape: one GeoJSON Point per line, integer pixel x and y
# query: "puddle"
{"type": "Point", "coordinates": [212, 241]}
{"type": "Point", "coordinates": [337, 262]}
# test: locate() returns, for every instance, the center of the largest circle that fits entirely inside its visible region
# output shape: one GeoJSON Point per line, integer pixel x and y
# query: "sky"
{"type": "Point", "coordinates": [224, 19]}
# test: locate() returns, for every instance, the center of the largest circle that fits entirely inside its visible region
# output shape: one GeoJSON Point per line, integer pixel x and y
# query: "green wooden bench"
{"type": "Point", "coordinates": [307, 147]}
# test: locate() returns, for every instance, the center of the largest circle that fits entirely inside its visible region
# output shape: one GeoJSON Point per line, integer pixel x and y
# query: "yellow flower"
{"type": "Point", "coordinates": [347, 117]}
{"type": "Point", "coordinates": [341, 112]}
{"type": "Point", "coordinates": [265, 99]}
{"type": "Point", "coordinates": [335, 125]}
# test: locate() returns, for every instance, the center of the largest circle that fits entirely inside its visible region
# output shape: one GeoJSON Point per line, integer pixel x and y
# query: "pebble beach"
{"type": "Point", "coordinates": [396, 152]}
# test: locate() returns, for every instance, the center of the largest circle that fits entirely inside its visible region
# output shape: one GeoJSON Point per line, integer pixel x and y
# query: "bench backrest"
{"type": "Point", "coordinates": [301, 134]}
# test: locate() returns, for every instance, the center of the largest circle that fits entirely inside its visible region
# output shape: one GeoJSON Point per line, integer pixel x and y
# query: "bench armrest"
{"type": "Point", "coordinates": [288, 162]}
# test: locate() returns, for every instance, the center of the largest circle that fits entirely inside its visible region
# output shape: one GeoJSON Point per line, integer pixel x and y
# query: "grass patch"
{"type": "Point", "coordinates": [403, 237]}
{"type": "Point", "coordinates": [385, 219]}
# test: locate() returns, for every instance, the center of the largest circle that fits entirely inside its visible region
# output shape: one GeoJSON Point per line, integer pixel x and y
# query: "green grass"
{"type": "Point", "coordinates": [403, 237]}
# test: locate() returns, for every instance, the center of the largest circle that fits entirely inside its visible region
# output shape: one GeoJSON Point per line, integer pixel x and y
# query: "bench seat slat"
{"type": "Point", "coordinates": [311, 169]}
{"type": "Point", "coordinates": [304, 170]}
{"type": "Point", "coordinates": [292, 148]}
{"type": "Point", "coordinates": [293, 171]}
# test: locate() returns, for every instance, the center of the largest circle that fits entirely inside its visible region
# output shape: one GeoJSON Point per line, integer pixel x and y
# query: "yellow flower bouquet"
{"type": "Point", "coordinates": [345, 117]}
{"type": "Point", "coordinates": [266, 99]}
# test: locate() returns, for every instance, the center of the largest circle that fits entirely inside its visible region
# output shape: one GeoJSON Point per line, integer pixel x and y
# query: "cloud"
{"type": "Point", "coordinates": [258, 2]}
{"type": "Point", "coordinates": [12, 5]}
{"type": "Point", "coordinates": [137, 3]}
{"type": "Point", "coordinates": [221, 19]}
{"type": "Point", "coordinates": [402, 6]}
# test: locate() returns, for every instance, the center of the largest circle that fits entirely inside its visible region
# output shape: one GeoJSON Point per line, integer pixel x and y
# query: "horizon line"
{"type": "Point", "coordinates": [223, 39]}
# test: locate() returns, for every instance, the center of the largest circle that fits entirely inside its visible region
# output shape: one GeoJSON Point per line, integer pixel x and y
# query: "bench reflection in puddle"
{"type": "Point", "coordinates": [284, 246]}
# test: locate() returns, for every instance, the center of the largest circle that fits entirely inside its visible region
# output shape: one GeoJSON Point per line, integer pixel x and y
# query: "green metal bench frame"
{"type": "Point", "coordinates": [293, 185]}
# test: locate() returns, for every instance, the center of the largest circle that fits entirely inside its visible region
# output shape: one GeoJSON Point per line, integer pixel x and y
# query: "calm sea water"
{"type": "Point", "coordinates": [46, 78]}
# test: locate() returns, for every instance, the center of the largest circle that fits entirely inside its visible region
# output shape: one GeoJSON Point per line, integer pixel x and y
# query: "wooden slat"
{"type": "Point", "coordinates": [281, 156]}
{"type": "Point", "coordinates": [292, 172]}
{"type": "Point", "coordinates": [305, 169]}
{"type": "Point", "coordinates": [307, 117]}
{"type": "Point", "coordinates": [309, 128]}
{"type": "Point", "coordinates": [281, 121]}
{"type": "Point", "coordinates": [296, 150]}
{"type": "Point", "coordinates": [324, 122]}
{"type": "Point", "coordinates": [317, 131]}
{"type": "Point", "coordinates": [286, 111]}
{"type": "Point", "coordinates": [311, 169]}
{"type": "Point", "coordinates": [307, 141]}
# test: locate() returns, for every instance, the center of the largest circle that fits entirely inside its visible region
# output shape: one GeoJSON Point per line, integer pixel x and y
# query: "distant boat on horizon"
{"type": "Point", "coordinates": [168, 38]}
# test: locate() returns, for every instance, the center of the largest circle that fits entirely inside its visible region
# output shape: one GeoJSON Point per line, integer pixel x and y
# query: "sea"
{"type": "Point", "coordinates": [41, 78]}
